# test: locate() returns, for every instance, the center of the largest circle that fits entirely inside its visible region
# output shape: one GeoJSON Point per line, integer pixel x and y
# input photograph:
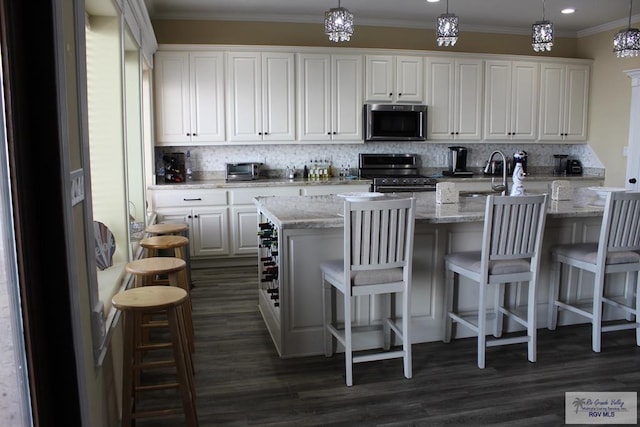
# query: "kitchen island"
{"type": "Point", "coordinates": [307, 230]}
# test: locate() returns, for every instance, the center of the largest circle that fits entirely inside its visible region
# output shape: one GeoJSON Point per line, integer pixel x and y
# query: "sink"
{"type": "Point", "coordinates": [479, 193]}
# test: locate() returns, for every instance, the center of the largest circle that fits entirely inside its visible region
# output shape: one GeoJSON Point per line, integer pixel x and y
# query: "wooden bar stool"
{"type": "Point", "coordinates": [176, 229]}
{"type": "Point", "coordinates": [147, 271]}
{"type": "Point", "coordinates": [135, 304]}
{"type": "Point", "coordinates": [176, 246]}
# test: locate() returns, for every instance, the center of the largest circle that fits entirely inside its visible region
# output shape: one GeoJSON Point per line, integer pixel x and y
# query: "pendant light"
{"type": "Point", "coordinates": [447, 30]}
{"type": "Point", "coordinates": [338, 24]}
{"type": "Point", "coordinates": [542, 34]}
{"type": "Point", "coordinates": [627, 42]}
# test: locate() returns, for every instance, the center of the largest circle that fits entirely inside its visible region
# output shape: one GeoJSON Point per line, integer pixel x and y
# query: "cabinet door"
{"type": "Point", "coordinates": [497, 100]}
{"type": "Point", "coordinates": [551, 101]}
{"type": "Point", "coordinates": [379, 81]}
{"type": "Point", "coordinates": [244, 224]}
{"type": "Point", "coordinates": [576, 103]}
{"type": "Point", "coordinates": [278, 114]}
{"type": "Point", "coordinates": [177, 216]}
{"type": "Point", "coordinates": [409, 86]}
{"type": "Point", "coordinates": [346, 95]}
{"type": "Point", "coordinates": [468, 99]}
{"type": "Point", "coordinates": [244, 97]}
{"type": "Point", "coordinates": [564, 97]}
{"type": "Point", "coordinates": [510, 100]}
{"type": "Point", "coordinates": [209, 234]}
{"type": "Point", "coordinates": [440, 99]}
{"type": "Point", "coordinates": [524, 100]}
{"type": "Point", "coordinates": [454, 98]}
{"type": "Point", "coordinates": [314, 97]}
{"type": "Point", "coordinates": [207, 97]}
{"type": "Point", "coordinates": [173, 121]}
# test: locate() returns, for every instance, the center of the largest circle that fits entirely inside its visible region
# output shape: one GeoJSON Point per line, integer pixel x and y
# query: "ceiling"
{"type": "Point", "coordinates": [501, 16]}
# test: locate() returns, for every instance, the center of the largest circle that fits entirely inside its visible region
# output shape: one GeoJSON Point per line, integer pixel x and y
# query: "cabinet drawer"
{"type": "Point", "coordinates": [179, 198]}
{"type": "Point", "coordinates": [244, 196]}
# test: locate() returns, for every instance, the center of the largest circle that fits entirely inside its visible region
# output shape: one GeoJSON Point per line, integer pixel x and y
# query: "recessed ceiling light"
{"type": "Point", "coordinates": [433, 1]}
{"type": "Point", "coordinates": [568, 10]}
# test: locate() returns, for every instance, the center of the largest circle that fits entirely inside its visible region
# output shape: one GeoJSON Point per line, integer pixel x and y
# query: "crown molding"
{"type": "Point", "coordinates": [611, 26]}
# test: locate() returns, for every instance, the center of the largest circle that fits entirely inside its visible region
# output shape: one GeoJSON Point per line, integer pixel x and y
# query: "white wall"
{"type": "Point", "coordinates": [609, 104]}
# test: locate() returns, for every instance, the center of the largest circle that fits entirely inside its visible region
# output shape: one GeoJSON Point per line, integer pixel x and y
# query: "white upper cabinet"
{"type": "Point", "coordinates": [511, 100]}
{"type": "Point", "coordinates": [260, 89]}
{"type": "Point", "coordinates": [189, 97]}
{"type": "Point", "coordinates": [390, 78]}
{"type": "Point", "coordinates": [564, 96]}
{"type": "Point", "coordinates": [454, 98]}
{"type": "Point", "coordinates": [329, 97]}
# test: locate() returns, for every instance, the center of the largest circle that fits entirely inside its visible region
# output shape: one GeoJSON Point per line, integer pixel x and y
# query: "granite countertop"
{"type": "Point", "coordinates": [275, 182]}
{"type": "Point", "coordinates": [263, 182]}
{"type": "Point", "coordinates": [326, 211]}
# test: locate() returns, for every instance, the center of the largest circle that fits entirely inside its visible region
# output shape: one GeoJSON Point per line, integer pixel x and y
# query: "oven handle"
{"type": "Point", "coordinates": [404, 189]}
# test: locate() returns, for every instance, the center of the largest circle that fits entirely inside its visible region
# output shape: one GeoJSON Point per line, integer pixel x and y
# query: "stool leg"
{"type": "Point", "coordinates": [178, 280]}
{"type": "Point", "coordinates": [187, 352]}
{"type": "Point", "coordinates": [128, 392]}
{"type": "Point", "coordinates": [188, 398]}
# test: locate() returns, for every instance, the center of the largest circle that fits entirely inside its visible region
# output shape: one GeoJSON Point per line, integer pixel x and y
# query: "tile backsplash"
{"type": "Point", "coordinates": [211, 159]}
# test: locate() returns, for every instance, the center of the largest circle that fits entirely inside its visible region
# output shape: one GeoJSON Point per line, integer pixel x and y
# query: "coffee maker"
{"type": "Point", "coordinates": [457, 162]}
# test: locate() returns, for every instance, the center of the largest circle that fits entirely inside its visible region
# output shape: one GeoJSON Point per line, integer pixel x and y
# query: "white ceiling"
{"type": "Point", "coordinates": [504, 16]}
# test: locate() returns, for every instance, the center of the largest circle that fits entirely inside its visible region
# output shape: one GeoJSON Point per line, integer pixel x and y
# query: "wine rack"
{"type": "Point", "coordinates": [268, 254]}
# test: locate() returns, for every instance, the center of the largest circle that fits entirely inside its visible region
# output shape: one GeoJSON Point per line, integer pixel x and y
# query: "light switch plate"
{"type": "Point", "coordinates": [77, 186]}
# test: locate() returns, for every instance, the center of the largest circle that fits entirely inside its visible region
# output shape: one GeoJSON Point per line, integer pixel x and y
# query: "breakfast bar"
{"type": "Point", "coordinates": [307, 230]}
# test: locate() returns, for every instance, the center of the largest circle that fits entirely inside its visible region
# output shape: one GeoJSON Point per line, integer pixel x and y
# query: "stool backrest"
{"type": "Point", "coordinates": [513, 227]}
{"type": "Point", "coordinates": [379, 234]}
{"type": "Point", "coordinates": [620, 223]}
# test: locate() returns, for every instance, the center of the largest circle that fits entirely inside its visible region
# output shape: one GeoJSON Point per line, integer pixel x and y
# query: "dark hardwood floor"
{"type": "Point", "coordinates": [240, 379]}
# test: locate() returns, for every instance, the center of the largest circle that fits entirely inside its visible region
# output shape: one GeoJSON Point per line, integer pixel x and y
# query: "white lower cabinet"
{"type": "Point", "coordinates": [206, 213]}
{"type": "Point", "coordinates": [208, 228]}
{"type": "Point", "coordinates": [244, 216]}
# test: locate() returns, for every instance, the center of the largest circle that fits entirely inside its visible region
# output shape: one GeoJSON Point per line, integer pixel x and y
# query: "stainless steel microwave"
{"type": "Point", "coordinates": [395, 122]}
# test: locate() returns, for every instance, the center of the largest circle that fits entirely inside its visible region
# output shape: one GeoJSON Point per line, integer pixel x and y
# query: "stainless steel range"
{"type": "Point", "coordinates": [394, 173]}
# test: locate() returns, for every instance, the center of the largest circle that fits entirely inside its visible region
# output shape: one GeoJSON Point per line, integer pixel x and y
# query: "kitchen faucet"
{"type": "Point", "coordinates": [504, 187]}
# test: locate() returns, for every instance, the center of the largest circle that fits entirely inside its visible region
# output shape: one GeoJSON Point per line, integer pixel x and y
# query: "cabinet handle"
{"type": "Point", "coordinates": [195, 216]}
{"type": "Point", "coordinates": [335, 133]}
{"type": "Point", "coordinates": [197, 199]}
{"type": "Point", "coordinates": [259, 133]}
{"type": "Point", "coordinates": [399, 94]}
{"type": "Point", "coordinates": [632, 181]}
{"type": "Point", "coordinates": [189, 216]}
{"type": "Point", "coordinates": [194, 134]}
{"type": "Point", "coordinates": [188, 134]}
{"type": "Point", "coordinates": [266, 133]}
{"type": "Point", "coordinates": [328, 133]}
{"type": "Point", "coordinates": [390, 93]}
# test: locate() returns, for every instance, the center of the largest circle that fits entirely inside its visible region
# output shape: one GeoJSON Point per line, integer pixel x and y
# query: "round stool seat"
{"type": "Point", "coordinates": [156, 265]}
{"type": "Point", "coordinates": [164, 242]}
{"type": "Point", "coordinates": [167, 228]}
{"type": "Point", "coordinates": [149, 298]}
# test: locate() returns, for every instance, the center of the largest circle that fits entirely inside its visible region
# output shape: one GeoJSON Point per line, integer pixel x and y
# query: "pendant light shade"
{"type": "Point", "coordinates": [338, 24]}
{"type": "Point", "coordinates": [447, 30]}
{"type": "Point", "coordinates": [627, 43]}
{"type": "Point", "coordinates": [542, 34]}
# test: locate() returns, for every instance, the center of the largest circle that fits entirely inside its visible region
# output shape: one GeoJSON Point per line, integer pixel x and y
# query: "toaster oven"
{"type": "Point", "coordinates": [242, 171]}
